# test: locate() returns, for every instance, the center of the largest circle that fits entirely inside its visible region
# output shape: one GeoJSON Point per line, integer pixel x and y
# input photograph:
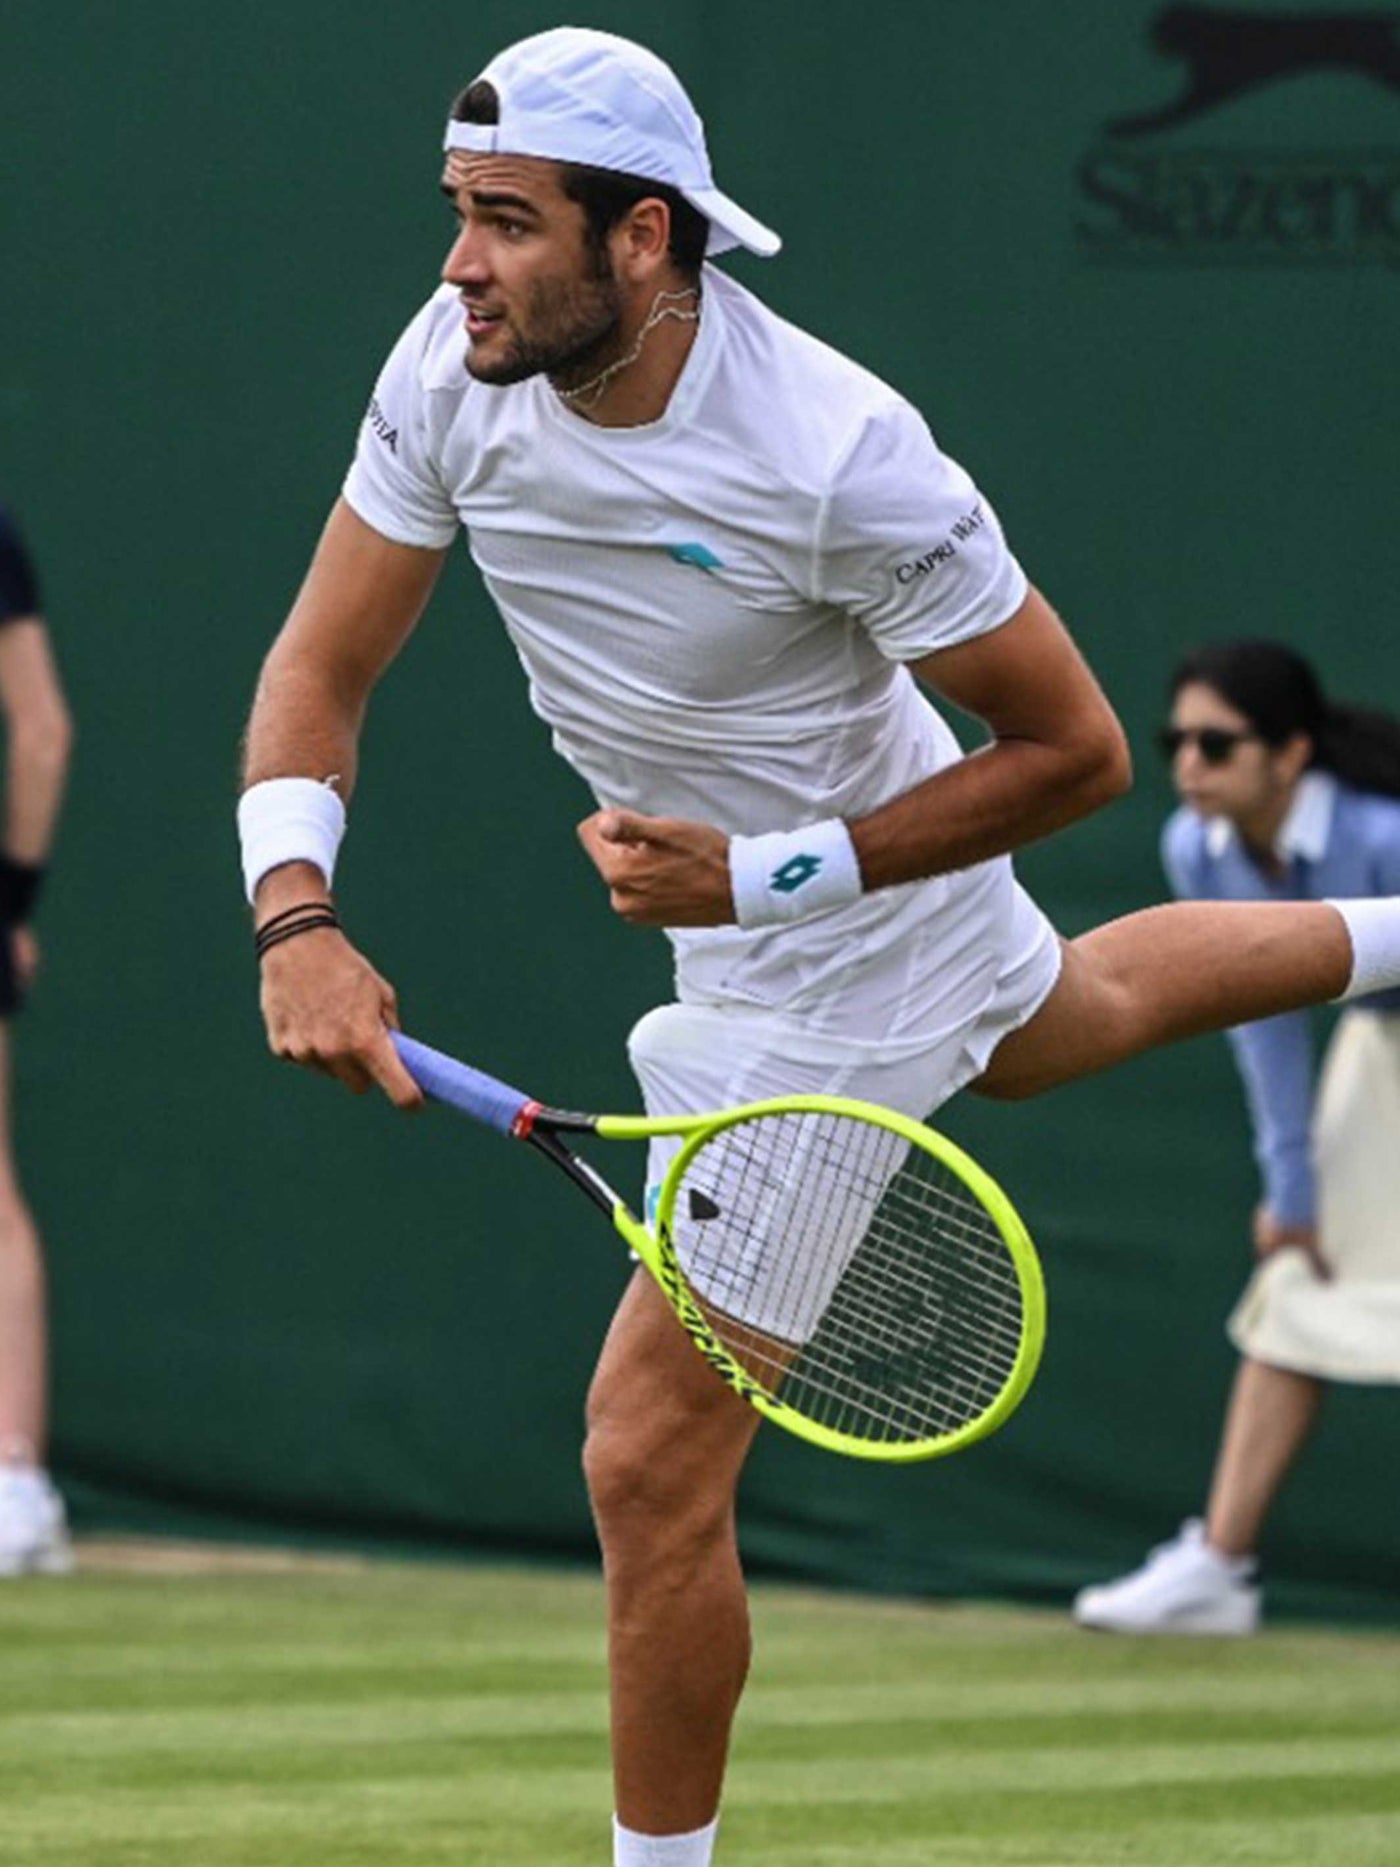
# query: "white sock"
{"type": "Point", "coordinates": [1374, 928]}
{"type": "Point", "coordinates": [1238, 1568]}
{"type": "Point", "coordinates": [695, 1849]}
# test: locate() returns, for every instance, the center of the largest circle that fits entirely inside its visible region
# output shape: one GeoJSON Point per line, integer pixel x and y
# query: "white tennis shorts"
{"type": "Point", "coordinates": [1348, 1329]}
{"type": "Point", "coordinates": [691, 1058]}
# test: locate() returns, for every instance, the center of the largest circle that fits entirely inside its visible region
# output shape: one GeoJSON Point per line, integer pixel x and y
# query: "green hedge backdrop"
{"type": "Point", "coordinates": [1170, 358]}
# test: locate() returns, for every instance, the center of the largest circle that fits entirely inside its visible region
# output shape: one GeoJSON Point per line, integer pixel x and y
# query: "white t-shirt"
{"type": "Point", "coordinates": [712, 609]}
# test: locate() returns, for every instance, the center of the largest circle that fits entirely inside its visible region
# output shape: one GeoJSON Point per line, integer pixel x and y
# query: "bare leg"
{"type": "Point", "coordinates": [23, 1370]}
{"type": "Point", "coordinates": [1168, 973]}
{"type": "Point", "coordinates": [1271, 1413]}
{"type": "Point", "coordinates": [666, 1443]}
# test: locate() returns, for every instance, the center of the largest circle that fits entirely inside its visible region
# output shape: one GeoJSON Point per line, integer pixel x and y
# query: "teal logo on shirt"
{"type": "Point", "coordinates": [795, 873]}
{"type": "Point", "coordinates": [700, 556]}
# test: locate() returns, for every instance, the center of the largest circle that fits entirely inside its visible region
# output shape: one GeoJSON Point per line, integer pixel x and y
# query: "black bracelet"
{"type": "Point", "coordinates": [326, 917]}
{"type": "Point", "coordinates": [308, 910]}
{"type": "Point", "coordinates": [20, 883]}
{"type": "Point", "coordinates": [309, 925]}
{"type": "Point", "coordinates": [303, 907]}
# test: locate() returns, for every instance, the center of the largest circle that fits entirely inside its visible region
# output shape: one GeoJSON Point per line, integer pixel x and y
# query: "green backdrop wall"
{"type": "Point", "coordinates": [1169, 355]}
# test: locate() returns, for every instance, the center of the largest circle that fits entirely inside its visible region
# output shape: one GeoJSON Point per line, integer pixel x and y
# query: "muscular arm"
{"type": "Point", "coordinates": [356, 609]}
{"type": "Point", "coordinates": [324, 1005]}
{"type": "Point", "coordinates": [1057, 752]}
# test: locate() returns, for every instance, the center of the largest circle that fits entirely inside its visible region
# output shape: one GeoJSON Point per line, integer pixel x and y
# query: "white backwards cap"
{"type": "Point", "coordinates": [574, 95]}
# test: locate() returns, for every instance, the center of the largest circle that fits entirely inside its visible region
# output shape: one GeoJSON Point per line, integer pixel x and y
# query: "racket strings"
{"type": "Point", "coordinates": [855, 1275]}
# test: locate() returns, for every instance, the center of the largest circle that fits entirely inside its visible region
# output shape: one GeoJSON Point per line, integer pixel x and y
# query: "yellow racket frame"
{"type": "Point", "coordinates": [654, 1248]}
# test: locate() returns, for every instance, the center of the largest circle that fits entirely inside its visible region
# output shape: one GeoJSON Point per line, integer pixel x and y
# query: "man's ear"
{"type": "Point", "coordinates": [641, 241]}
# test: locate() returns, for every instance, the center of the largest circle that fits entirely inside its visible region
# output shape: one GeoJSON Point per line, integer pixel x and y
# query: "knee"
{"type": "Point", "coordinates": [631, 1468]}
{"type": "Point", "coordinates": [647, 1487]}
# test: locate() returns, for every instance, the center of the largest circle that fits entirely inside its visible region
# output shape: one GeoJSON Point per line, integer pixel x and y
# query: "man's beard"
{"type": "Point", "coordinates": [570, 329]}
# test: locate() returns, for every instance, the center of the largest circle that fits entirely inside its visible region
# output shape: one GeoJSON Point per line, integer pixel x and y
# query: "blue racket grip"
{"type": "Point", "coordinates": [471, 1091]}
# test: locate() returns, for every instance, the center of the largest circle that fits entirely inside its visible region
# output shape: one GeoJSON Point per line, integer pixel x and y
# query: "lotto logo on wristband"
{"type": "Point", "coordinates": [794, 873]}
{"type": "Point", "coordinates": [789, 875]}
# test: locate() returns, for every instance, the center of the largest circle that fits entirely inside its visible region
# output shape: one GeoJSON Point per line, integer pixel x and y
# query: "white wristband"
{"type": "Point", "coordinates": [790, 874]}
{"type": "Point", "coordinates": [289, 820]}
{"type": "Point", "coordinates": [1373, 926]}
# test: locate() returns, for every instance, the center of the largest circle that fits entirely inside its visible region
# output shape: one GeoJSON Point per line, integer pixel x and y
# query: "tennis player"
{"type": "Point", "coordinates": [1287, 797]}
{"type": "Point", "coordinates": [33, 1525]}
{"type": "Point", "coordinates": [730, 559]}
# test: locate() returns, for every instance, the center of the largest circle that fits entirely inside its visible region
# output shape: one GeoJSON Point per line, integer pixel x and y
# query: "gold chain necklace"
{"type": "Point", "coordinates": [664, 305]}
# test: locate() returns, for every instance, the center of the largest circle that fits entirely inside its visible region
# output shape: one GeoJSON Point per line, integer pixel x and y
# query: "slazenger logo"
{"type": "Point", "coordinates": [915, 568]}
{"type": "Point", "coordinates": [1143, 199]}
{"type": "Point", "coordinates": [1230, 53]}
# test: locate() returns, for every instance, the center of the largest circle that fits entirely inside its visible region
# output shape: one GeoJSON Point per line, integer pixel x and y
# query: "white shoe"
{"type": "Point", "coordinates": [1184, 1587]}
{"type": "Point", "coordinates": [33, 1525]}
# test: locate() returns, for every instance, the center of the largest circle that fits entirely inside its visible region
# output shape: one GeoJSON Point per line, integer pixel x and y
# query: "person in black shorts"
{"type": "Point", "coordinates": [38, 737]}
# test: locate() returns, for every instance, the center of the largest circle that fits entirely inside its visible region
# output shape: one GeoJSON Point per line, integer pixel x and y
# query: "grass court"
{"type": "Point", "coordinates": [282, 1714]}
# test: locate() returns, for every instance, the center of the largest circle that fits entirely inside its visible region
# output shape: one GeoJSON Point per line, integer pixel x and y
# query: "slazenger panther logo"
{"type": "Point", "coordinates": [1145, 195]}
{"type": "Point", "coordinates": [1229, 53]}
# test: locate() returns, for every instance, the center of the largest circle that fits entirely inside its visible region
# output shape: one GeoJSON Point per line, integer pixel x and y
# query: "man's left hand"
{"type": "Point", "coordinates": [661, 871]}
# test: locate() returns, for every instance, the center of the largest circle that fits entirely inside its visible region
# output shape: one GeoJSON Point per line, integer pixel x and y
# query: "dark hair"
{"type": "Point", "coordinates": [605, 195]}
{"type": "Point", "coordinates": [1280, 695]}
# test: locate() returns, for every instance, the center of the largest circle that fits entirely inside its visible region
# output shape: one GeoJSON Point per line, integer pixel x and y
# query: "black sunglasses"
{"type": "Point", "coordinates": [1216, 744]}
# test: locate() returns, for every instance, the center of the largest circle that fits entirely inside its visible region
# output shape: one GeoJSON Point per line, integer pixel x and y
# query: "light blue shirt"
{"type": "Point", "coordinates": [1334, 842]}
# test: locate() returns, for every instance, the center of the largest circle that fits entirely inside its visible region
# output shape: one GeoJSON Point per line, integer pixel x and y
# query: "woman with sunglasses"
{"type": "Point", "coordinates": [1285, 797]}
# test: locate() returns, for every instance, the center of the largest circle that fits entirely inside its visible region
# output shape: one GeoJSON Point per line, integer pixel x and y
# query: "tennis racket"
{"type": "Point", "coordinates": [850, 1272]}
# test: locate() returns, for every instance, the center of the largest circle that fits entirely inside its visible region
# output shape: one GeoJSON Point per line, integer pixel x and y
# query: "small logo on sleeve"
{"type": "Point", "coordinates": [382, 426]}
{"type": "Point", "coordinates": [964, 528]}
{"type": "Point", "coordinates": [795, 873]}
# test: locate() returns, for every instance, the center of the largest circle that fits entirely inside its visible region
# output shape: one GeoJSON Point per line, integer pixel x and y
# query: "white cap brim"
{"type": "Point", "coordinates": [731, 225]}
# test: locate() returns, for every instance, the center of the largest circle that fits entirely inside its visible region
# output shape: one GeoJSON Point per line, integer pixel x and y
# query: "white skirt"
{"type": "Point", "coordinates": [1348, 1329]}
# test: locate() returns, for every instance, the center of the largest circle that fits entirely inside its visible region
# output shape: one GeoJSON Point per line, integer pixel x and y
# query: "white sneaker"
{"type": "Point", "coordinates": [1184, 1587]}
{"type": "Point", "coordinates": [33, 1525]}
